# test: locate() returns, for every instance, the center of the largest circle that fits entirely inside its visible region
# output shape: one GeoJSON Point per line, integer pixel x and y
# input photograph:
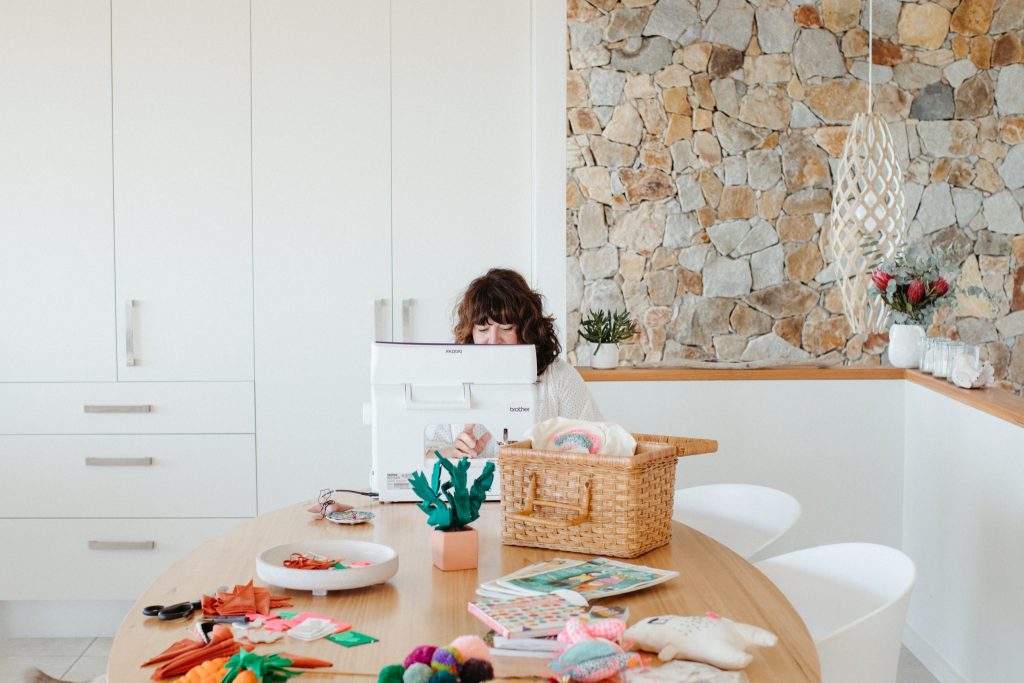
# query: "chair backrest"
{"type": "Point", "coordinates": [743, 517]}
{"type": "Point", "coordinates": [853, 597]}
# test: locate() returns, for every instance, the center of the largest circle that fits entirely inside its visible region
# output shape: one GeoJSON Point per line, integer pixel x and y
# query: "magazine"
{"type": "Point", "coordinates": [593, 579]}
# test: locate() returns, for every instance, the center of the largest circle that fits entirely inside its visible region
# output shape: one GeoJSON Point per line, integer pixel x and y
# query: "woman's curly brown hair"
{"type": "Point", "coordinates": [505, 297]}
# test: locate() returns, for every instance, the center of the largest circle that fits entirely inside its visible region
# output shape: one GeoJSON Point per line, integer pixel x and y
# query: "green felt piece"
{"type": "Point", "coordinates": [339, 566]}
{"type": "Point", "coordinates": [286, 615]}
{"type": "Point", "coordinates": [351, 638]}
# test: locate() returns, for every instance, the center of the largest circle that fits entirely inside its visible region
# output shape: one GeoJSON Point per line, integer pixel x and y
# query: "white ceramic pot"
{"type": "Point", "coordinates": [604, 358]}
{"type": "Point", "coordinates": [905, 345]}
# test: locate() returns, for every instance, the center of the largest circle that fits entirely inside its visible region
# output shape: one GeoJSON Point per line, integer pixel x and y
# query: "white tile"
{"type": "Point", "coordinates": [44, 647]}
{"type": "Point", "coordinates": [100, 648]}
{"type": "Point", "coordinates": [12, 669]}
{"type": "Point", "coordinates": [87, 668]}
{"type": "Point", "coordinates": [911, 670]}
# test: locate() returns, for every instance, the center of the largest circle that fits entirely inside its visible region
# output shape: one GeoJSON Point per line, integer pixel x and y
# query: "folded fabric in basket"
{"type": "Point", "coordinates": [581, 436]}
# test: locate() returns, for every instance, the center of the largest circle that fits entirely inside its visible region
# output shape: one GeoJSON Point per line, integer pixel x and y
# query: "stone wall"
{"type": "Point", "coordinates": [702, 142]}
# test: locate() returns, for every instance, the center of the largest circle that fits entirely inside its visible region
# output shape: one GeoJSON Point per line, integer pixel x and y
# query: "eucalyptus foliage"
{"type": "Point", "coordinates": [453, 504]}
{"type": "Point", "coordinates": [917, 280]}
{"type": "Point", "coordinates": [607, 327]}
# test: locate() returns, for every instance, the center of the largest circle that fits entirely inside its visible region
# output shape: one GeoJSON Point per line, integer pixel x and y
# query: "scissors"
{"type": "Point", "coordinates": [181, 610]}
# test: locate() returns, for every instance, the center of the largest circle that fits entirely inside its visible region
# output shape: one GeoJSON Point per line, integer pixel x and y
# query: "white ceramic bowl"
{"type": "Point", "coordinates": [269, 567]}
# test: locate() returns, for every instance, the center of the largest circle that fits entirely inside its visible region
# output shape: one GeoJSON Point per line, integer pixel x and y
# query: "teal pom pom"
{"type": "Point", "coordinates": [391, 674]}
{"type": "Point", "coordinates": [446, 659]}
{"type": "Point", "coordinates": [417, 673]}
{"type": "Point", "coordinates": [443, 677]}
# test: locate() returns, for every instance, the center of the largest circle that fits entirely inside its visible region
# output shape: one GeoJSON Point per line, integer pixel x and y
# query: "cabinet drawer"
{"type": "Point", "coordinates": [127, 408]}
{"type": "Point", "coordinates": [175, 475]}
{"type": "Point", "coordinates": [51, 559]}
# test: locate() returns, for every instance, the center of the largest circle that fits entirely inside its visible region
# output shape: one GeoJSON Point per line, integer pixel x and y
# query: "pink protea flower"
{"type": "Point", "coordinates": [915, 291]}
{"type": "Point", "coordinates": [939, 286]}
{"type": "Point", "coordinates": [881, 279]}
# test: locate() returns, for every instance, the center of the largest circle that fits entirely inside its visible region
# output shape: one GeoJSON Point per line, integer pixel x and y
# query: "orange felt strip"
{"type": "Point", "coordinates": [190, 660]}
{"type": "Point", "coordinates": [186, 645]}
{"type": "Point", "coordinates": [306, 662]}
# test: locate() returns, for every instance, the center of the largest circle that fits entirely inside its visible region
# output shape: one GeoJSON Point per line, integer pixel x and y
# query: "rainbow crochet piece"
{"type": "Point", "coordinates": [579, 440]}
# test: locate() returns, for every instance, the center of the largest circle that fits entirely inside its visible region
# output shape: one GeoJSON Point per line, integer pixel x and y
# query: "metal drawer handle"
{"type": "Point", "coordinates": [142, 408]}
{"type": "Point", "coordinates": [129, 332]}
{"type": "Point", "coordinates": [122, 545]}
{"type": "Point", "coordinates": [118, 462]}
{"type": "Point", "coordinates": [406, 318]}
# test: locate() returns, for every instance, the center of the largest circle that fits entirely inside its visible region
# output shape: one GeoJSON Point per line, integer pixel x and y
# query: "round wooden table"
{"type": "Point", "coordinates": [422, 604]}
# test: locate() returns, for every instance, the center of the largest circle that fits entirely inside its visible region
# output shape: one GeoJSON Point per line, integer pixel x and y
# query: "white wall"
{"type": "Point", "coordinates": [963, 516]}
{"type": "Point", "coordinates": [836, 445]}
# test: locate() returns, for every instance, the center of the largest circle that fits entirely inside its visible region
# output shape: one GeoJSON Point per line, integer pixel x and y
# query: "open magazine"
{"type": "Point", "coordinates": [593, 579]}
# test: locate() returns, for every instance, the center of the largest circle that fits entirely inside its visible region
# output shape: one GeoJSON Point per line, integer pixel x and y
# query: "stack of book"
{"type": "Point", "coordinates": [526, 609]}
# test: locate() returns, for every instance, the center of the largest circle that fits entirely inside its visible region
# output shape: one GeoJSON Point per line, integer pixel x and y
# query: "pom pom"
{"type": "Point", "coordinates": [446, 659]}
{"type": "Point", "coordinates": [471, 647]}
{"type": "Point", "coordinates": [443, 677]}
{"type": "Point", "coordinates": [421, 654]}
{"type": "Point", "coordinates": [476, 671]}
{"type": "Point", "coordinates": [418, 673]}
{"type": "Point", "coordinates": [391, 673]}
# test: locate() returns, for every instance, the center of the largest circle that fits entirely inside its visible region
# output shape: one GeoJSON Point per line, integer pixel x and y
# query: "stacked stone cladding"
{"type": "Point", "coordinates": [702, 141]}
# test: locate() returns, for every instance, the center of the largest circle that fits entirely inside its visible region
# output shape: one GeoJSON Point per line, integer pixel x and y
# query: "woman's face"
{"type": "Point", "coordinates": [494, 333]}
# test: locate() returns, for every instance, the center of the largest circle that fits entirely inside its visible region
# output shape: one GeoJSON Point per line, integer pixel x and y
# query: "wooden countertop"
{"type": "Point", "coordinates": [998, 402]}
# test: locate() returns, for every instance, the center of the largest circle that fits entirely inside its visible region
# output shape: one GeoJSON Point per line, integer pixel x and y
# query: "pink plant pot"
{"type": "Point", "coordinates": [454, 550]}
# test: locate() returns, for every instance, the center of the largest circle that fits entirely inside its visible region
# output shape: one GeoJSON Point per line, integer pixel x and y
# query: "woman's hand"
{"type": "Point", "coordinates": [468, 446]}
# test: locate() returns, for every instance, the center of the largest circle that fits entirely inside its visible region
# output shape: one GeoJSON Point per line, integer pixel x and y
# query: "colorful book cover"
{"type": "Point", "coordinates": [528, 616]}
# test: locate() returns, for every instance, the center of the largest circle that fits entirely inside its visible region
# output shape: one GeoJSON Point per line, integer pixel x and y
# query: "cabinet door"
{"type": "Point", "coordinates": [56, 233]}
{"type": "Point", "coordinates": [462, 109]}
{"type": "Point", "coordinates": [321, 237]}
{"type": "Point", "coordinates": [182, 200]}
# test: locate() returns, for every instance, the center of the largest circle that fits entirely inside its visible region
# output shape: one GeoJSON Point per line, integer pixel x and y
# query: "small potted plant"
{"type": "Point", "coordinates": [911, 285]}
{"type": "Point", "coordinates": [604, 330]}
{"type": "Point", "coordinates": [451, 507]}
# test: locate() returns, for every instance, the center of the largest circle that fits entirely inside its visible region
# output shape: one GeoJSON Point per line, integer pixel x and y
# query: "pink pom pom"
{"type": "Point", "coordinates": [421, 654]}
{"type": "Point", "coordinates": [472, 647]}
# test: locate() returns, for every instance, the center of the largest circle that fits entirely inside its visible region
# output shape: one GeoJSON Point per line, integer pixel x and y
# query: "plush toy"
{"type": "Point", "coordinates": [709, 639]}
{"type": "Point", "coordinates": [594, 651]}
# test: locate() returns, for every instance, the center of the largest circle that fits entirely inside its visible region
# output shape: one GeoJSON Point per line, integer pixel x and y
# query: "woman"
{"type": "Point", "coordinates": [500, 308]}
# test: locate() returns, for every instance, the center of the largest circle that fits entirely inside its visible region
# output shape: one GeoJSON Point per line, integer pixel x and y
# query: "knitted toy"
{"type": "Point", "coordinates": [709, 639]}
{"type": "Point", "coordinates": [594, 651]}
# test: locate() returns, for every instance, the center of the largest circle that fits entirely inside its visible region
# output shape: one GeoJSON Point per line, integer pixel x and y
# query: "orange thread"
{"type": "Point", "coordinates": [301, 561]}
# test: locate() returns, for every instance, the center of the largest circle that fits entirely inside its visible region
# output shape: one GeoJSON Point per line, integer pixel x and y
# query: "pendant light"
{"type": "Point", "coordinates": [868, 220]}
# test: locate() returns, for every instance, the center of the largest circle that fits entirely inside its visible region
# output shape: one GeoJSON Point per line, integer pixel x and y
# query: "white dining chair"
{"type": "Point", "coordinates": [853, 598]}
{"type": "Point", "coordinates": [743, 517]}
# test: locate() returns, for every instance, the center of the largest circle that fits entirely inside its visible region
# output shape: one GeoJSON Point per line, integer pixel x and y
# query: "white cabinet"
{"type": "Point", "coordinates": [182, 200]}
{"type": "Point", "coordinates": [56, 229]}
{"type": "Point", "coordinates": [321, 231]}
{"type": "Point", "coordinates": [462, 142]}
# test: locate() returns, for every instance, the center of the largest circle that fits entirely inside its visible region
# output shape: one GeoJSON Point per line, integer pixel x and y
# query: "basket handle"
{"type": "Point", "coordinates": [683, 445]}
{"type": "Point", "coordinates": [527, 513]}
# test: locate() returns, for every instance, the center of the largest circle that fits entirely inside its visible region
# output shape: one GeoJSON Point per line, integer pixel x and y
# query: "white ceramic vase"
{"type": "Point", "coordinates": [905, 345]}
{"type": "Point", "coordinates": [605, 358]}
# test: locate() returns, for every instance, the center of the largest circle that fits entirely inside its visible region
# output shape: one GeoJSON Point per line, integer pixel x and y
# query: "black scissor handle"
{"type": "Point", "coordinates": [181, 610]}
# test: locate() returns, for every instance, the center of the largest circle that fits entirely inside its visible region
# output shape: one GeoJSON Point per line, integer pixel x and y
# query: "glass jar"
{"type": "Point", "coordinates": [927, 354]}
{"type": "Point", "coordinates": [953, 349]}
{"type": "Point", "coordinates": [940, 359]}
{"type": "Point", "coordinates": [969, 352]}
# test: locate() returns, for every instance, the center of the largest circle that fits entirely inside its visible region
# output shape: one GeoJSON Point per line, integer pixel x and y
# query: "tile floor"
{"type": "Point", "coordinates": [81, 659]}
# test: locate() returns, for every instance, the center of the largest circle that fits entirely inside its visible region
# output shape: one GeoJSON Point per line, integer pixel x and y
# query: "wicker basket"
{"type": "Point", "coordinates": [597, 504]}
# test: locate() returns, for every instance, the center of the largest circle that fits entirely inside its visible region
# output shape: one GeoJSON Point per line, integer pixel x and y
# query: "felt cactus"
{"type": "Point", "coordinates": [453, 504]}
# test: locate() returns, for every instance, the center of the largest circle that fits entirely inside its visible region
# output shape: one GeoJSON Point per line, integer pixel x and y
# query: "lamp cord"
{"type": "Point", "coordinates": [871, 56]}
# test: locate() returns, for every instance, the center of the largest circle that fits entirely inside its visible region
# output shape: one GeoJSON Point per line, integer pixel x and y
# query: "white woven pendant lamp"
{"type": "Point", "coordinates": [868, 211]}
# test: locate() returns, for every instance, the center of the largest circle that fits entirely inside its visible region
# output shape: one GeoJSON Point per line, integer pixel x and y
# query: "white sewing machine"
{"type": "Point", "coordinates": [421, 390]}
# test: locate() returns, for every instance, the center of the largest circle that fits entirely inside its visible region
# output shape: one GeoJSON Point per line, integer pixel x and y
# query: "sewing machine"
{"type": "Point", "coordinates": [422, 390]}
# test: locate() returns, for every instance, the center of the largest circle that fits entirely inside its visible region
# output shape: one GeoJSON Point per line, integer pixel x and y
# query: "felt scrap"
{"type": "Point", "coordinates": [351, 638]}
{"type": "Point", "coordinates": [339, 626]}
{"type": "Point", "coordinates": [184, 655]}
{"type": "Point", "coordinates": [242, 600]}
